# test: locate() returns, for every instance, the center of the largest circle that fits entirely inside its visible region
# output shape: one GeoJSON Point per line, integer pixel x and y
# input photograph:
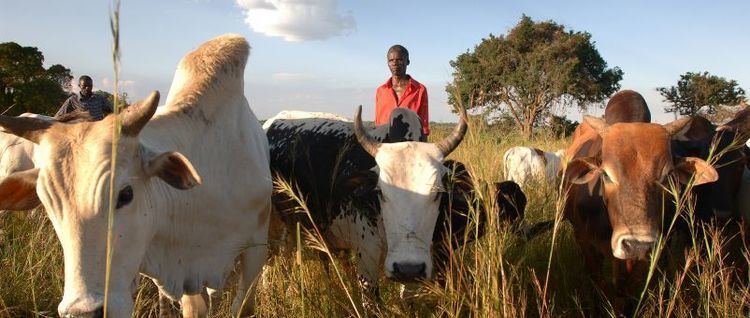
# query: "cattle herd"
{"type": "Point", "coordinates": [193, 188]}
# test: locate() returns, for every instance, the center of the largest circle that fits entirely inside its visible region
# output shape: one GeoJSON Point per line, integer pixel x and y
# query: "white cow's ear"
{"type": "Point", "coordinates": [18, 191]}
{"type": "Point", "coordinates": [582, 170]}
{"type": "Point", "coordinates": [172, 167]}
{"type": "Point", "coordinates": [686, 167]}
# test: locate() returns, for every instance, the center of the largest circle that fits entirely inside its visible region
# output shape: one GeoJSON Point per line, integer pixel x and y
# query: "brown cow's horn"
{"type": "Point", "coordinates": [676, 126]}
{"type": "Point", "coordinates": [597, 123]}
{"type": "Point", "coordinates": [27, 128]}
{"type": "Point", "coordinates": [368, 143]}
{"type": "Point", "coordinates": [135, 117]}
{"type": "Point", "coordinates": [450, 143]}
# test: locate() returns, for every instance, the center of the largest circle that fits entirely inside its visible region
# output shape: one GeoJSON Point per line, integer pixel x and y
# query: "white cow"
{"type": "Point", "coordinates": [523, 164]}
{"type": "Point", "coordinates": [184, 236]}
{"type": "Point", "coordinates": [310, 150]}
{"type": "Point", "coordinates": [16, 153]}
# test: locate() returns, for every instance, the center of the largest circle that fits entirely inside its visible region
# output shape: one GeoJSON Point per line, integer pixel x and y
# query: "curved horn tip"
{"type": "Point", "coordinates": [451, 142]}
{"type": "Point", "coordinates": [28, 128]}
{"type": "Point", "coordinates": [134, 118]}
{"type": "Point", "coordinates": [364, 139]}
{"type": "Point", "coordinates": [598, 123]}
{"type": "Point", "coordinates": [154, 95]}
{"type": "Point", "coordinates": [678, 125]}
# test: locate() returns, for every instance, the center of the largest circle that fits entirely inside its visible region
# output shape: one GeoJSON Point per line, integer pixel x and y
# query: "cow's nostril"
{"type": "Point", "coordinates": [409, 271]}
{"type": "Point", "coordinates": [636, 248]}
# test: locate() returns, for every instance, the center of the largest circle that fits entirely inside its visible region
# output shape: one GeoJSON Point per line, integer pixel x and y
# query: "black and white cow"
{"type": "Point", "coordinates": [380, 193]}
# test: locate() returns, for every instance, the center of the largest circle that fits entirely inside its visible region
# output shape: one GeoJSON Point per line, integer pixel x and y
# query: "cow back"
{"type": "Point", "coordinates": [315, 156]}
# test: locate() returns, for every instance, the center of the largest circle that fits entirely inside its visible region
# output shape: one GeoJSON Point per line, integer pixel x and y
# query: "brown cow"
{"type": "Point", "coordinates": [627, 107]}
{"type": "Point", "coordinates": [699, 139]}
{"type": "Point", "coordinates": [615, 176]}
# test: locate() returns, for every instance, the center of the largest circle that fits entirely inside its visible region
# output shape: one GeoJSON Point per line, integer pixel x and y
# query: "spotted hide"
{"type": "Point", "coordinates": [343, 184]}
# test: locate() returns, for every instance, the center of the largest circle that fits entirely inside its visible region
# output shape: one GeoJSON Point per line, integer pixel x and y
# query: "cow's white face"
{"type": "Point", "coordinates": [72, 180]}
{"type": "Point", "coordinates": [410, 175]}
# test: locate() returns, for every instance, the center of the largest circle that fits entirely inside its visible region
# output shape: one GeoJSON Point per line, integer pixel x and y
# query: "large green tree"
{"type": "Point", "coordinates": [26, 85]}
{"type": "Point", "coordinates": [536, 66]}
{"type": "Point", "coordinates": [697, 93]}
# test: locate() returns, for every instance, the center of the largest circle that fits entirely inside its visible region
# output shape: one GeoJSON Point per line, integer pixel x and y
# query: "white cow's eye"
{"type": "Point", "coordinates": [124, 197]}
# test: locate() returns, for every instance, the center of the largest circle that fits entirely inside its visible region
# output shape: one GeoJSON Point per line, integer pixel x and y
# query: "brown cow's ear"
{"type": "Point", "coordinates": [18, 191]}
{"type": "Point", "coordinates": [173, 168]}
{"type": "Point", "coordinates": [582, 170]}
{"type": "Point", "coordinates": [686, 167]}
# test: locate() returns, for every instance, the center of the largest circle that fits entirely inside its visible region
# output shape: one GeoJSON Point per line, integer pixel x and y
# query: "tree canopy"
{"type": "Point", "coordinates": [536, 66]}
{"type": "Point", "coordinates": [123, 99]}
{"type": "Point", "coordinates": [26, 85]}
{"type": "Point", "coordinates": [697, 93]}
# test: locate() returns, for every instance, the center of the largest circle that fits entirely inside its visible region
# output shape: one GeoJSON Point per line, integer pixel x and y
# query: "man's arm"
{"type": "Point", "coordinates": [424, 113]}
{"type": "Point", "coordinates": [378, 107]}
{"type": "Point", "coordinates": [66, 107]}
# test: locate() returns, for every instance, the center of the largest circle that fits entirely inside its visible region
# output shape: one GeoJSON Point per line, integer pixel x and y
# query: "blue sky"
{"type": "Point", "coordinates": [328, 55]}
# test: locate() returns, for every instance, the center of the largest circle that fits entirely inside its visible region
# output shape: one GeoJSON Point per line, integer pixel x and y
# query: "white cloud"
{"type": "Point", "coordinates": [297, 20]}
{"type": "Point", "coordinates": [127, 86]}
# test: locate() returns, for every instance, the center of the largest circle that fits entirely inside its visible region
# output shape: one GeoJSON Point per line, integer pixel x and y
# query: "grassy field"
{"type": "Point", "coordinates": [500, 275]}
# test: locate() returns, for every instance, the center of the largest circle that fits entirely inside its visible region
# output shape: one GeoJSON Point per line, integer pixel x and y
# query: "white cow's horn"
{"type": "Point", "coordinates": [448, 144]}
{"type": "Point", "coordinates": [27, 128]}
{"type": "Point", "coordinates": [135, 117]}
{"type": "Point", "coordinates": [368, 143]}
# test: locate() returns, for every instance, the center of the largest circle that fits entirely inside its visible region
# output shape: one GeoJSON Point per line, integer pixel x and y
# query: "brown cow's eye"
{"type": "Point", "coordinates": [124, 197]}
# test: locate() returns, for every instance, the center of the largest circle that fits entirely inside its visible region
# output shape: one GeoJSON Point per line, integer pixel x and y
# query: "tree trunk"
{"type": "Point", "coordinates": [527, 128]}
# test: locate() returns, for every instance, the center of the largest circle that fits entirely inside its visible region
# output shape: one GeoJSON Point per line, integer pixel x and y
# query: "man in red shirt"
{"type": "Point", "coordinates": [401, 90]}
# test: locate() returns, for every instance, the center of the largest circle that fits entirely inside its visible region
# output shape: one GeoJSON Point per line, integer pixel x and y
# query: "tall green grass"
{"type": "Point", "coordinates": [500, 275]}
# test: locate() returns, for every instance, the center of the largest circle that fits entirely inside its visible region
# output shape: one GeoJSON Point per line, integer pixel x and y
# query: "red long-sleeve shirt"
{"type": "Point", "coordinates": [414, 98]}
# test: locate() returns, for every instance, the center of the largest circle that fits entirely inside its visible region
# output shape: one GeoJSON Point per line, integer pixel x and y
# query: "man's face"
{"type": "Point", "coordinates": [85, 86]}
{"type": "Point", "coordinates": [397, 62]}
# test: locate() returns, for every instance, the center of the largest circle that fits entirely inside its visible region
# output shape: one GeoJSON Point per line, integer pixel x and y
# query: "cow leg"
{"type": "Point", "coordinates": [194, 306]}
{"type": "Point", "coordinates": [251, 264]}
